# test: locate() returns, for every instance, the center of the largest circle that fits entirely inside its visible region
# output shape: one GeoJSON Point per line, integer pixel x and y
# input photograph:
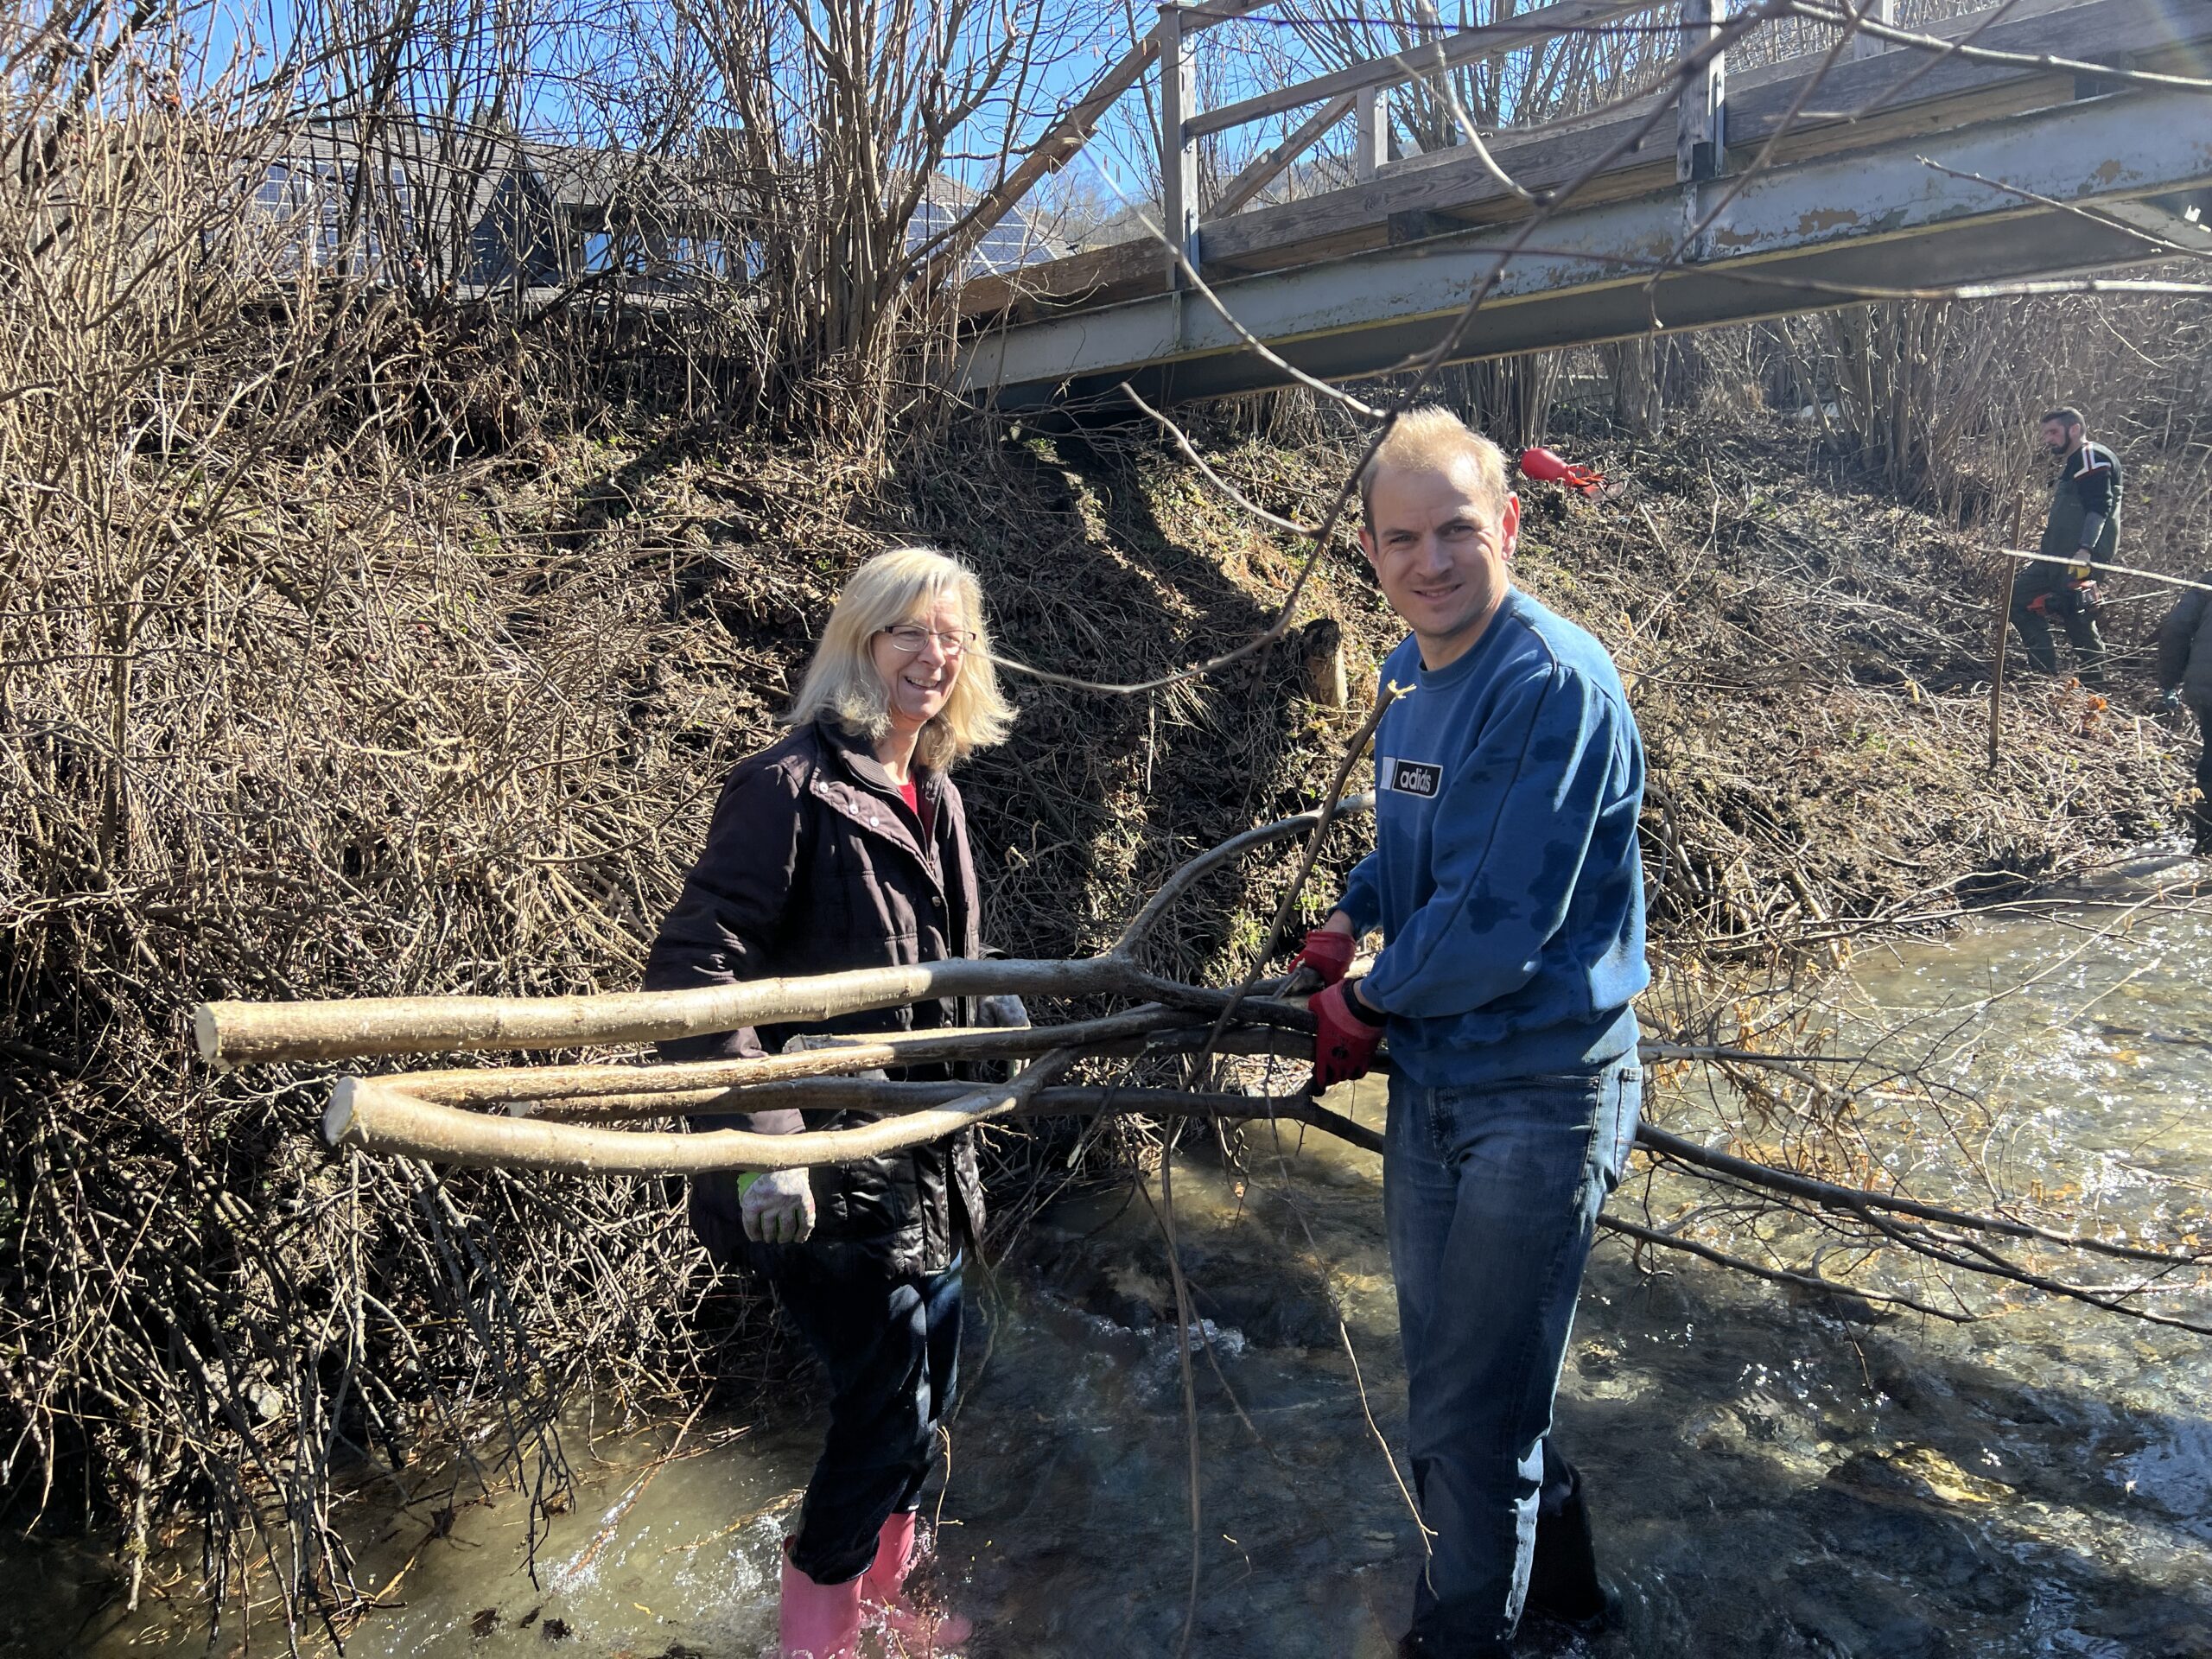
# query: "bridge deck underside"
{"type": "Point", "coordinates": [2074, 185]}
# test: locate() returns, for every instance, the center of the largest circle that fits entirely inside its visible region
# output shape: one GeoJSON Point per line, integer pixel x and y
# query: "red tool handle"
{"type": "Point", "coordinates": [1542, 464]}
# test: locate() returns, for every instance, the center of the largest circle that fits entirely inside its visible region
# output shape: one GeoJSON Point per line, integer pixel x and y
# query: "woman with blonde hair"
{"type": "Point", "coordinates": [845, 846]}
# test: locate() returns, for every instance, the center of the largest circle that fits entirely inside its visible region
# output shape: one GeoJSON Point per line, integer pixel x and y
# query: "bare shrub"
{"type": "Point", "coordinates": [845, 125]}
{"type": "Point", "coordinates": [286, 709]}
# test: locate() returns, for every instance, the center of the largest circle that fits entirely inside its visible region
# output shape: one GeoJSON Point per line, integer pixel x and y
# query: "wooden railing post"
{"type": "Point", "coordinates": [1179, 148]}
{"type": "Point", "coordinates": [1701, 118]}
{"type": "Point", "coordinates": [1374, 141]}
{"type": "Point", "coordinates": [1700, 127]}
{"type": "Point", "coordinates": [1864, 45]}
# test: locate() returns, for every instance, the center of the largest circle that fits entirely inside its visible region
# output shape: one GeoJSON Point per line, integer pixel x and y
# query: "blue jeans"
{"type": "Point", "coordinates": [1491, 1195]}
{"type": "Point", "coordinates": [891, 1346]}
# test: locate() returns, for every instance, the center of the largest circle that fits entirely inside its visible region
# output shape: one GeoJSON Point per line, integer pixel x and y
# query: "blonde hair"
{"type": "Point", "coordinates": [841, 683]}
{"type": "Point", "coordinates": [1430, 439]}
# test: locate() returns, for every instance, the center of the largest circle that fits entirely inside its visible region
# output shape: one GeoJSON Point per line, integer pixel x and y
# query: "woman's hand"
{"type": "Point", "coordinates": [779, 1207]}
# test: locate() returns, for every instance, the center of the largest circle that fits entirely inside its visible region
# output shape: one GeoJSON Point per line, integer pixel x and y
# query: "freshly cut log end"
{"type": "Point", "coordinates": [1321, 651]}
{"type": "Point", "coordinates": [338, 1118]}
{"type": "Point", "coordinates": [207, 1034]}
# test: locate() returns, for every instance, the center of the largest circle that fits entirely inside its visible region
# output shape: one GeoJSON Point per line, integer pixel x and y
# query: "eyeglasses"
{"type": "Point", "coordinates": [910, 636]}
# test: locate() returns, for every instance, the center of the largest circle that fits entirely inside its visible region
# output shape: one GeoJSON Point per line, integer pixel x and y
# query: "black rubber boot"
{"type": "Point", "coordinates": [2200, 821]}
{"type": "Point", "coordinates": [1564, 1583]}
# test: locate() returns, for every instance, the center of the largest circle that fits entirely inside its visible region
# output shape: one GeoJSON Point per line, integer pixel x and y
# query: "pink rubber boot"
{"type": "Point", "coordinates": [817, 1621]}
{"type": "Point", "coordinates": [883, 1594]}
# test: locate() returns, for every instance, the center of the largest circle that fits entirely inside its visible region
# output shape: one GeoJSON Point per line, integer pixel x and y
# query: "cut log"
{"type": "Point", "coordinates": [242, 1034]}
{"type": "Point", "coordinates": [238, 1033]}
{"type": "Point", "coordinates": [377, 1116]}
{"type": "Point", "coordinates": [646, 1096]}
{"type": "Point", "coordinates": [489, 1085]}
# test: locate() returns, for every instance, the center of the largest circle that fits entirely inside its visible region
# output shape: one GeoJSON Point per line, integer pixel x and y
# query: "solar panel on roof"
{"type": "Point", "coordinates": [1008, 245]}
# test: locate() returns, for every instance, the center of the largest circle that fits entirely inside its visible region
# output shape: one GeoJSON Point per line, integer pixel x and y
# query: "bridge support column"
{"type": "Point", "coordinates": [1178, 152]}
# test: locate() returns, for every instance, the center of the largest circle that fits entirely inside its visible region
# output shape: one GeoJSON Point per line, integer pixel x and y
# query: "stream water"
{"type": "Point", "coordinates": [1771, 1475]}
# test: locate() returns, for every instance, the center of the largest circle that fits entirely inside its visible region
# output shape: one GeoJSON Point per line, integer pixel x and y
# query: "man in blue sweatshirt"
{"type": "Point", "coordinates": [1507, 885]}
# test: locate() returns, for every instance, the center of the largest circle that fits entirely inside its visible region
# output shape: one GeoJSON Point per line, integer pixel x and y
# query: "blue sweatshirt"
{"type": "Point", "coordinates": [1505, 876]}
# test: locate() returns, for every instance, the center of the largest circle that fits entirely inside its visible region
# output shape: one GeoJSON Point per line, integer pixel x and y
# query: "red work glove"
{"type": "Point", "coordinates": [1327, 954]}
{"type": "Point", "coordinates": [2038, 602]}
{"type": "Point", "coordinates": [1343, 1040]}
{"type": "Point", "coordinates": [1543, 464]}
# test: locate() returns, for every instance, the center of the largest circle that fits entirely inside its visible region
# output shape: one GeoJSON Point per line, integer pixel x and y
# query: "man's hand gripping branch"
{"type": "Point", "coordinates": [1346, 1032]}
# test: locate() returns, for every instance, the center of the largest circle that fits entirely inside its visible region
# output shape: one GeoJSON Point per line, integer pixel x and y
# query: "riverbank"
{"type": "Point", "coordinates": [397, 731]}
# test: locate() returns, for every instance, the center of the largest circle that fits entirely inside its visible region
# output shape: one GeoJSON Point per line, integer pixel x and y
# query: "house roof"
{"type": "Point", "coordinates": [454, 172]}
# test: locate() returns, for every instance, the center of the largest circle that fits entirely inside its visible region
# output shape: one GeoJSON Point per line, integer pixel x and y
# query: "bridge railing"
{"type": "Point", "coordinates": [1363, 90]}
{"type": "Point", "coordinates": [1369, 83]}
{"type": "Point", "coordinates": [1361, 87]}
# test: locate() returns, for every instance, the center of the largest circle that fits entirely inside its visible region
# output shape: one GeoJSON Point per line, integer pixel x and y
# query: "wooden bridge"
{"type": "Point", "coordinates": [2045, 138]}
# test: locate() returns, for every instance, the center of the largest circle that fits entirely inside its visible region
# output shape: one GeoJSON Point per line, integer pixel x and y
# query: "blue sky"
{"type": "Point", "coordinates": [600, 72]}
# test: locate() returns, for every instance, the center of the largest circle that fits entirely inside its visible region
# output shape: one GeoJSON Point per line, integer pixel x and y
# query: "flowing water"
{"type": "Point", "coordinates": [1771, 1475]}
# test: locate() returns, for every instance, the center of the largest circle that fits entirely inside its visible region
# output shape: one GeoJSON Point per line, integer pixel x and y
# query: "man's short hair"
{"type": "Point", "coordinates": [1430, 438]}
{"type": "Point", "coordinates": [2066, 414]}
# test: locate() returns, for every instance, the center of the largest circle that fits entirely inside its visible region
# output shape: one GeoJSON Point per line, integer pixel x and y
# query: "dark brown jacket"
{"type": "Point", "coordinates": [813, 865]}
